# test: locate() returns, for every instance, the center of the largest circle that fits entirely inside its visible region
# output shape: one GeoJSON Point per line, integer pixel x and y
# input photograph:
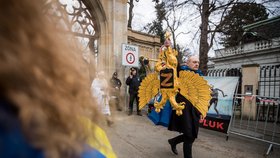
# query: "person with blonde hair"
{"type": "Point", "coordinates": [44, 109]}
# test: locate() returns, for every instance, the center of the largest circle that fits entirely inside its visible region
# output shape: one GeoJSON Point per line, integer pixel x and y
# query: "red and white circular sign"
{"type": "Point", "coordinates": [130, 58]}
{"type": "Point", "coordinates": [130, 55]}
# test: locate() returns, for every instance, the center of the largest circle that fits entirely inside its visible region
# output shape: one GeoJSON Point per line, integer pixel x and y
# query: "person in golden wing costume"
{"type": "Point", "coordinates": [189, 96]}
{"type": "Point", "coordinates": [188, 123]}
{"type": "Point", "coordinates": [43, 107]}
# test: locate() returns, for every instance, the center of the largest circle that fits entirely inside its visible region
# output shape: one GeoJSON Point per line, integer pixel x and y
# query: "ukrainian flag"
{"type": "Point", "coordinates": [99, 140]}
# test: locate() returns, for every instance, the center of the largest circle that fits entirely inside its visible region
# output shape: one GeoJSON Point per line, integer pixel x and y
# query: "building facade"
{"type": "Point", "coordinates": [263, 55]}
{"type": "Point", "coordinates": [256, 61]}
{"type": "Point", "coordinates": [101, 27]}
{"type": "Point", "coordinates": [148, 44]}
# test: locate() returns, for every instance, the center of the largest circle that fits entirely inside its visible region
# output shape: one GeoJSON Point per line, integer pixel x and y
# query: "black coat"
{"type": "Point", "coordinates": [188, 122]}
{"type": "Point", "coordinates": [133, 84]}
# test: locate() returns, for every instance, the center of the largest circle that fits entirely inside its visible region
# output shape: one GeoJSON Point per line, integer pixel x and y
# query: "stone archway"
{"type": "Point", "coordinates": [98, 53]}
{"type": "Point", "coordinates": [101, 26]}
{"type": "Point", "coordinates": [85, 19]}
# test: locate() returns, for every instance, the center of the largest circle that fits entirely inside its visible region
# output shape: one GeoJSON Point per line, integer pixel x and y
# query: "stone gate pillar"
{"type": "Point", "coordinates": [250, 76]}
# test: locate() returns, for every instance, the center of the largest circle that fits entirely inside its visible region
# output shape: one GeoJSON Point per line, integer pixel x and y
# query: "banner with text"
{"type": "Point", "coordinates": [220, 108]}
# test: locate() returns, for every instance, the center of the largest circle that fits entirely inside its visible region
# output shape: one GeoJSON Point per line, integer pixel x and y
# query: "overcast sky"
{"type": "Point", "coordinates": [144, 12]}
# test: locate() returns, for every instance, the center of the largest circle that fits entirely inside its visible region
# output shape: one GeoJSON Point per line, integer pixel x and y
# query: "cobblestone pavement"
{"type": "Point", "coordinates": [137, 137]}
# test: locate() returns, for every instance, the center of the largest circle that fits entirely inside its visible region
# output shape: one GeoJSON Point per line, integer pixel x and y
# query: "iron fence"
{"type": "Point", "coordinates": [256, 121]}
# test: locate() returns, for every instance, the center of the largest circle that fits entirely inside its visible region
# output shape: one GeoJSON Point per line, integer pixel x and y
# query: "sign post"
{"type": "Point", "coordinates": [130, 55]}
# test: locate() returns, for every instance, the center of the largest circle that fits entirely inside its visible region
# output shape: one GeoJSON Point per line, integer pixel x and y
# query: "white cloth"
{"type": "Point", "coordinates": [98, 90]}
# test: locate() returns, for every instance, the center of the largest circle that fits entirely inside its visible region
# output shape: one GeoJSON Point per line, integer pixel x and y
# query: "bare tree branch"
{"type": "Point", "coordinates": [214, 8]}
{"type": "Point", "coordinates": [218, 26]}
{"type": "Point", "coordinates": [184, 33]}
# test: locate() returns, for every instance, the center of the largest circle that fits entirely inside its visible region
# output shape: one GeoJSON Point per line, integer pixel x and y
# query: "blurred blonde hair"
{"type": "Point", "coordinates": [41, 75]}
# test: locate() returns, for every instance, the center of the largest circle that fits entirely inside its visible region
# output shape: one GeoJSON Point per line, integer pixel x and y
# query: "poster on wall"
{"type": "Point", "coordinates": [220, 108]}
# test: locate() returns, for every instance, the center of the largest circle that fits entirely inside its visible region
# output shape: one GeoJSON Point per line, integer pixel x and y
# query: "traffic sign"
{"type": "Point", "coordinates": [130, 55]}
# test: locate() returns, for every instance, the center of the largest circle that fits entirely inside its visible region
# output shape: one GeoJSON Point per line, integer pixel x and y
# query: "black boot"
{"type": "Point", "coordinates": [130, 112]}
{"type": "Point", "coordinates": [174, 141]}
{"type": "Point", "coordinates": [173, 147]}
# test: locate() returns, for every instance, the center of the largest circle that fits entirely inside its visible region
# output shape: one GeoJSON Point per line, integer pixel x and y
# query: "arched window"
{"type": "Point", "coordinates": [74, 18]}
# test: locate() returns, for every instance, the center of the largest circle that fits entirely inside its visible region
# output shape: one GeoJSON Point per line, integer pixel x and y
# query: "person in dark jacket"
{"type": "Point", "coordinates": [133, 81]}
{"type": "Point", "coordinates": [115, 85]}
{"type": "Point", "coordinates": [188, 123]}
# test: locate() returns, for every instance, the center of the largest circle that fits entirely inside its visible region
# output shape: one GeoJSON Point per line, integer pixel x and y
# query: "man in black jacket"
{"type": "Point", "coordinates": [133, 81]}
{"type": "Point", "coordinates": [188, 123]}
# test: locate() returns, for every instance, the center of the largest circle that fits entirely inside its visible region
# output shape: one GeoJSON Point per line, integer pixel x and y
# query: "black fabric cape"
{"type": "Point", "coordinates": [188, 122]}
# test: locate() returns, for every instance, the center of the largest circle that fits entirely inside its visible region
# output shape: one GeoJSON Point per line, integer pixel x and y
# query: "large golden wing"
{"type": "Point", "coordinates": [196, 89]}
{"type": "Point", "coordinates": [148, 89]}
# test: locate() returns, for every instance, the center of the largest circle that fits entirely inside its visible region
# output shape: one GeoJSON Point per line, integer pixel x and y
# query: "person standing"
{"type": "Point", "coordinates": [188, 123]}
{"type": "Point", "coordinates": [99, 89]}
{"type": "Point", "coordinates": [116, 84]}
{"type": "Point", "coordinates": [133, 81]}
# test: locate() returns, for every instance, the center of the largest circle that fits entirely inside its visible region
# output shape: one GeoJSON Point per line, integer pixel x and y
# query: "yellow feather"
{"type": "Point", "coordinates": [148, 89]}
{"type": "Point", "coordinates": [195, 89]}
